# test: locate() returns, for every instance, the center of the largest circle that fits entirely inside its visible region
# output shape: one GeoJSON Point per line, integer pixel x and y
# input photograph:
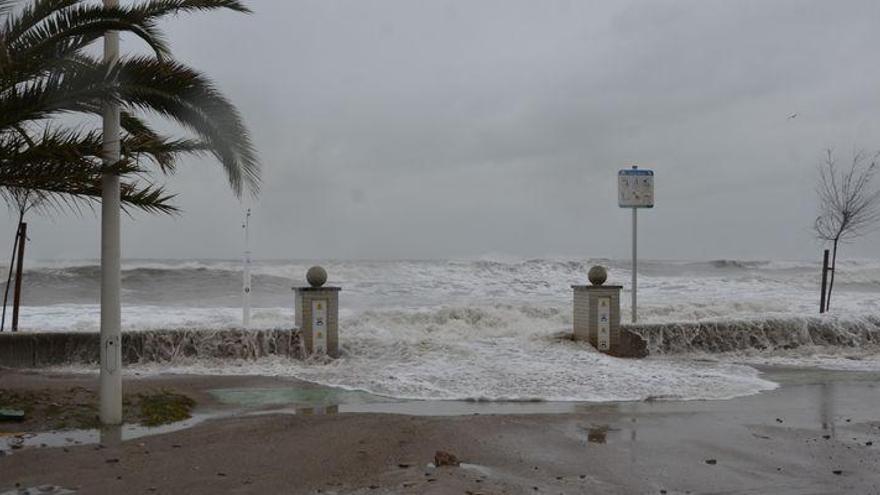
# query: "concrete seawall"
{"type": "Point", "coordinates": [34, 350]}
{"type": "Point", "coordinates": [758, 334]}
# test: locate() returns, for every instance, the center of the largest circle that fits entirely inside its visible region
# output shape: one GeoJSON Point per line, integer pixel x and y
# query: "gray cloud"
{"type": "Point", "coordinates": [399, 129]}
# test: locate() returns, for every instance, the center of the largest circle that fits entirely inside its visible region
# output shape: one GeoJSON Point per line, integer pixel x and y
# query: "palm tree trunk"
{"type": "Point", "coordinates": [833, 272]}
{"type": "Point", "coordinates": [111, 305]}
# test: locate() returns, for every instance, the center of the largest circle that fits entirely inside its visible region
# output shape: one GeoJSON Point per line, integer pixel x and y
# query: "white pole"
{"type": "Point", "coordinates": [111, 306]}
{"type": "Point", "coordinates": [246, 289]}
{"type": "Point", "coordinates": [634, 263]}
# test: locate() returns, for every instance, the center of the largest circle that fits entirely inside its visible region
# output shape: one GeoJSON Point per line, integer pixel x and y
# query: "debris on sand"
{"type": "Point", "coordinates": [443, 458]}
{"type": "Point", "coordinates": [711, 462]}
{"type": "Point", "coordinates": [11, 415]}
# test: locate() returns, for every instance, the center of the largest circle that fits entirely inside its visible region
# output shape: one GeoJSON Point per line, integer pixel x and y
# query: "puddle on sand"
{"type": "Point", "coordinates": [105, 436]}
{"type": "Point", "coordinates": [40, 490]}
{"type": "Point", "coordinates": [331, 400]}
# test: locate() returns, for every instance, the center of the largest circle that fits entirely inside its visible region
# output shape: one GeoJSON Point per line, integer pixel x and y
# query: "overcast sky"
{"type": "Point", "coordinates": [451, 129]}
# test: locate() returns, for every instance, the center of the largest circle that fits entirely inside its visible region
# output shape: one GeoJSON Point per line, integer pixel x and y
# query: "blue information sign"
{"type": "Point", "coordinates": [635, 188]}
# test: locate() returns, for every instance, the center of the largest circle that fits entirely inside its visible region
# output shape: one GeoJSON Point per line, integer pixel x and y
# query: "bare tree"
{"type": "Point", "coordinates": [849, 202]}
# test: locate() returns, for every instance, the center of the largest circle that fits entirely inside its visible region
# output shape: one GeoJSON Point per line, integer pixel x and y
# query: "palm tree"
{"type": "Point", "coordinates": [46, 71]}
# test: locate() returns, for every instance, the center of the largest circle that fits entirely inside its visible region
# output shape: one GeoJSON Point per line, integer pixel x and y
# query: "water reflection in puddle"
{"type": "Point", "coordinates": [108, 436]}
{"type": "Point", "coordinates": [331, 401]}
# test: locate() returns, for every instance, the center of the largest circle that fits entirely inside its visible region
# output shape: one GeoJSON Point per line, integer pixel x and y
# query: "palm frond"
{"type": "Point", "coordinates": [155, 9]}
{"type": "Point", "coordinates": [169, 89]}
{"type": "Point", "coordinates": [63, 167]}
{"type": "Point", "coordinates": [187, 97]}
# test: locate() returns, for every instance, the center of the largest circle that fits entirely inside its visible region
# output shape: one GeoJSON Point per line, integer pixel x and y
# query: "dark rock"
{"type": "Point", "coordinates": [837, 472]}
{"type": "Point", "coordinates": [869, 443]}
{"type": "Point", "coordinates": [826, 437]}
{"type": "Point", "coordinates": [778, 420]}
{"type": "Point", "coordinates": [442, 458]}
{"type": "Point", "coordinates": [711, 461]}
{"type": "Point", "coordinates": [632, 345]}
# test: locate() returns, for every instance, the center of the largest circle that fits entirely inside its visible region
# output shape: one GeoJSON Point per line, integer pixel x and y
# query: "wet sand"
{"type": "Point", "coordinates": [818, 433]}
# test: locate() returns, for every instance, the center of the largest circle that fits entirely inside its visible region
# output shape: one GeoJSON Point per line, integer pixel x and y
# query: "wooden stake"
{"type": "Point", "coordinates": [19, 266]}
{"type": "Point", "coordinates": [824, 282]}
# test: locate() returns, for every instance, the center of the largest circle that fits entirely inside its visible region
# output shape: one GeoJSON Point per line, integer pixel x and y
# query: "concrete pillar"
{"type": "Point", "coordinates": [597, 318]}
{"type": "Point", "coordinates": [597, 313]}
{"type": "Point", "coordinates": [317, 314]}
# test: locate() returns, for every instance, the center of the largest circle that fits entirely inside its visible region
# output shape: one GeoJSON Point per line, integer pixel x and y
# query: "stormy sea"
{"type": "Point", "coordinates": [495, 329]}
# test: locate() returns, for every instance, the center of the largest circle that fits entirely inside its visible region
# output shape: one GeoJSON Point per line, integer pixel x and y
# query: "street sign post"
{"type": "Point", "coordinates": [635, 189]}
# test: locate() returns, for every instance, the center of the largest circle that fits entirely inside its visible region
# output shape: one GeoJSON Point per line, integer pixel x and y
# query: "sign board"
{"type": "Point", "coordinates": [604, 315]}
{"type": "Point", "coordinates": [319, 327]}
{"type": "Point", "coordinates": [635, 188]}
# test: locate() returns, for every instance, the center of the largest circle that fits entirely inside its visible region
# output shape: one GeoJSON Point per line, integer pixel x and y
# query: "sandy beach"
{"type": "Point", "coordinates": [819, 432]}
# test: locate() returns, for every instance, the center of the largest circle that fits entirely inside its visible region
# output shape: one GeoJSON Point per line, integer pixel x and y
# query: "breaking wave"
{"type": "Point", "coordinates": [765, 335]}
{"type": "Point", "coordinates": [484, 329]}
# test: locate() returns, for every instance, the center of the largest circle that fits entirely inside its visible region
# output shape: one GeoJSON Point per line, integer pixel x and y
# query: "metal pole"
{"type": "Point", "coordinates": [111, 278]}
{"type": "Point", "coordinates": [19, 269]}
{"type": "Point", "coordinates": [824, 282]}
{"type": "Point", "coordinates": [635, 263]}
{"type": "Point", "coordinates": [246, 290]}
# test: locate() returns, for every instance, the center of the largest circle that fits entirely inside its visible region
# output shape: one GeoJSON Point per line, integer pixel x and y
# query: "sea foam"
{"type": "Point", "coordinates": [496, 329]}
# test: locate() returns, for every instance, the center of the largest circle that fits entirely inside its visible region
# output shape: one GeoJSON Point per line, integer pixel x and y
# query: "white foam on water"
{"type": "Point", "coordinates": [496, 353]}
{"type": "Point", "coordinates": [821, 357]}
{"type": "Point", "coordinates": [481, 329]}
{"type": "Point", "coordinates": [87, 317]}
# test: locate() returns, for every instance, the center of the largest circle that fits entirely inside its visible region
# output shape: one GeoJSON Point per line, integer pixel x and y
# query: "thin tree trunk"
{"type": "Point", "coordinates": [11, 266]}
{"type": "Point", "coordinates": [19, 273]}
{"type": "Point", "coordinates": [833, 272]}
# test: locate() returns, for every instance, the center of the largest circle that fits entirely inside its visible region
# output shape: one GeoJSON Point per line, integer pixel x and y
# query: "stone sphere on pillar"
{"type": "Point", "coordinates": [598, 275]}
{"type": "Point", "coordinates": [316, 276]}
